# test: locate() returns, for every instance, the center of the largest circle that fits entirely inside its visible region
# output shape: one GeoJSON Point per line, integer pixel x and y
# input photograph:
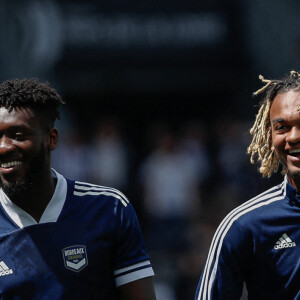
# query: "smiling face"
{"type": "Point", "coordinates": [285, 125]}
{"type": "Point", "coordinates": [25, 147]}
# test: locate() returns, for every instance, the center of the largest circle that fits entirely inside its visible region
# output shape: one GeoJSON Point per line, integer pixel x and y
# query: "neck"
{"type": "Point", "coordinates": [294, 180]}
{"type": "Point", "coordinates": [35, 199]}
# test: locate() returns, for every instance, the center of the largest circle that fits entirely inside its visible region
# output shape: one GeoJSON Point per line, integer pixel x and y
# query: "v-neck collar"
{"type": "Point", "coordinates": [51, 212]}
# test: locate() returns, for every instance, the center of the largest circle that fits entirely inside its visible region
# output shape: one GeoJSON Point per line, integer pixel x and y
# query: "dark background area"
{"type": "Point", "coordinates": [141, 63]}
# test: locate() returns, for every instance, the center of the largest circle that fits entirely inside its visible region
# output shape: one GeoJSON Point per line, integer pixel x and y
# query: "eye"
{"type": "Point", "coordinates": [281, 127]}
{"type": "Point", "coordinates": [19, 136]}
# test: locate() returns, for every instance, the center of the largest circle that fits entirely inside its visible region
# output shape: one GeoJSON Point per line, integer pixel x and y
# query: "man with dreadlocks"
{"type": "Point", "coordinates": [257, 244]}
{"type": "Point", "coordinates": [59, 238]}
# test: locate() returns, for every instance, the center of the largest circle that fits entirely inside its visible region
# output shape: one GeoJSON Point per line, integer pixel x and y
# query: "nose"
{"type": "Point", "coordinates": [293, 136]}
{"type": "Point", "coordinates": [6, 145]}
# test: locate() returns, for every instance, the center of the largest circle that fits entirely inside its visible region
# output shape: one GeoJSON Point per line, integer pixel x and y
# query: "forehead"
{"type": "Point", "coordinates": [286, 105]}
{"type": "Point", "coordinates": [18, 116]}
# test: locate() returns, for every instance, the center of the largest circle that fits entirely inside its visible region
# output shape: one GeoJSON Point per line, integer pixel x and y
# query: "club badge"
{"type": "Point", "coordinates": [75, 257]}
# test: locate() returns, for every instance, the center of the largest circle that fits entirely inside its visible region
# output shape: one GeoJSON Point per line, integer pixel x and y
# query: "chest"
{"type": "Point", "coordinates": [56, 258]}
{"type": "Point", "coordinates": [275, 262]}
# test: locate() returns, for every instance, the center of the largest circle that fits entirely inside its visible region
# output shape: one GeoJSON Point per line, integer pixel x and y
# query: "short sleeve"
{"type": "Point", "coordinates": [131, 260]}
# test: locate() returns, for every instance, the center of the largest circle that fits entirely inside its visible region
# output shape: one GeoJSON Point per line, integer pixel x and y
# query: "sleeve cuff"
{"type": "Point", "coordinates": [134, 272]}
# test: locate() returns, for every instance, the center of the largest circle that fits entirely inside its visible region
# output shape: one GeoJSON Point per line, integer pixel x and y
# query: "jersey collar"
{"type": "Point", "coordinates": [51, 212]}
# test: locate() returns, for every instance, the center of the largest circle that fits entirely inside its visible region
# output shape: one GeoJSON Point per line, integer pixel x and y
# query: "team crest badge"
{"type": "Point", "coordinates": [75, 257]}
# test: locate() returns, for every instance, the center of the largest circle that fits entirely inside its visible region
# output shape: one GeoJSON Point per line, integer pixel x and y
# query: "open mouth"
{"type": "Point", "coordinates": [294, 152]}
{"type": "Point", "coordinates": [10, 164]}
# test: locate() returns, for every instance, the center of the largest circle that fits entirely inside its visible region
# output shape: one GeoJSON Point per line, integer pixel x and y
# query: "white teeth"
{"type": "Point", "coordinates": [294, 151]}
{"type": "Point", "coordinates": [10, 164]}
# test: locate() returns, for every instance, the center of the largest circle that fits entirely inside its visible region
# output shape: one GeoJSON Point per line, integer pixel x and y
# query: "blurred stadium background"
{"type": "Point", "coordinates": [159, 105]}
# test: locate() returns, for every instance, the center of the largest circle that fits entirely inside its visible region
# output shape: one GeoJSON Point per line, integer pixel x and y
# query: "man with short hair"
{"type": "Point", "coordinates": [257, 244]}
{"type": "Point", "coordinates": [59, 238]}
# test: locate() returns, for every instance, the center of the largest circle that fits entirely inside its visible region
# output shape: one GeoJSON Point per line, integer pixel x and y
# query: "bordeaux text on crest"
{"type": "Point", "coordinates": [75, 257]}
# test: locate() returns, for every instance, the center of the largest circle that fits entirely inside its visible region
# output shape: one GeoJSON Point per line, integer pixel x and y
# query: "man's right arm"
{"type": "Point", "coordinates": [141, 289]}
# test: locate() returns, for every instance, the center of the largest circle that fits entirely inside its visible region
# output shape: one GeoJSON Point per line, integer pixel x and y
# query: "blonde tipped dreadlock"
{"type": "Point", "coordinates": [261, 129]}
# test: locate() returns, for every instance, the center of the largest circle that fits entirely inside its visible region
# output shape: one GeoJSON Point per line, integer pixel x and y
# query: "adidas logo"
{"type": "Point", "coordinates": [284, 242]}
{"type": "Point", "coordinates": [4, 269]}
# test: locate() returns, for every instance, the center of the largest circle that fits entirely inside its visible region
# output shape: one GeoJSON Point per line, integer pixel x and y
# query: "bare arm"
{"type": "Point", "coordinates": [141, 289]}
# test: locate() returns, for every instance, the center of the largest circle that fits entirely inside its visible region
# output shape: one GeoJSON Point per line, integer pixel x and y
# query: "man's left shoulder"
{"type": "Point", "coordinates": [95, 192]}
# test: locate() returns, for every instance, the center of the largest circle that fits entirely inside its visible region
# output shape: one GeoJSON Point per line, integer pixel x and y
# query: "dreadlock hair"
{"type": "Point", "coordinates": [31, 93]}
{"type": "Point", "coordinates": [261, 130]}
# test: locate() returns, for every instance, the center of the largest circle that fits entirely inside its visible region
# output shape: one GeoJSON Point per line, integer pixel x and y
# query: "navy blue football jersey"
{"type": "Point", "coordinates": [257, 244]}
{"type": "Point", "coordinates": [87, 243]}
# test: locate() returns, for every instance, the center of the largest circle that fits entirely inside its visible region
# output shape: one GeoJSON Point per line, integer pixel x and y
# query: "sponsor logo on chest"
{"type": "Point", "coordinates": [75, 257]}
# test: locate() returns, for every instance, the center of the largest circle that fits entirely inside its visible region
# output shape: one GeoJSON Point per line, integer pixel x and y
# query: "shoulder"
{"type": "Point", "coordinates": [92, 201]}
{"type": "Point", "coordinates": [89, 191]}
{"type": "Point", "coordinates": [260, 205]}
{"type": "Point", "coordinates": [102, 206]}
{"type": "Point", "coordinates": [254, 211]}
{"type": "Point", "coordinates": [237, 230]}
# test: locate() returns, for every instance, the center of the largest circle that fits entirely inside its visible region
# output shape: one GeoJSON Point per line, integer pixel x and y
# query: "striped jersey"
{"type": "Point", "coordinates": [87, 243]}
{"type": "Point", "coordinates": [257, 244]}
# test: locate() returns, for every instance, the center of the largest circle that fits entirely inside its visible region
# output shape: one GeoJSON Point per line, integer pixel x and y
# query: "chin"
{"type": "Point", "coordinates": [15, 189]}
{"type": "Point", "coordinates": [295, 174]}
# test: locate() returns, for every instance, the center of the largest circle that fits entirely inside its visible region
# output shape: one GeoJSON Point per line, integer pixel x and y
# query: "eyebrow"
{"type": "Point", "coordinates": [278, 120]}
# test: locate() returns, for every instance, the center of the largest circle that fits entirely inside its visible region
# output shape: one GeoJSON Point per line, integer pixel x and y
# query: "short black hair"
{"type": "Point", "coordinates": [32, 93]}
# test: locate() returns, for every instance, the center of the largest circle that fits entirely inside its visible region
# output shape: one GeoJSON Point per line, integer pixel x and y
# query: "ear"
{"type": "Point", "coordinates": [271, 140]}
{"type": "Point", "coordinates": [52, 139]}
